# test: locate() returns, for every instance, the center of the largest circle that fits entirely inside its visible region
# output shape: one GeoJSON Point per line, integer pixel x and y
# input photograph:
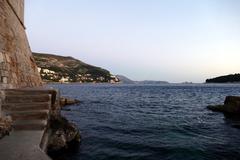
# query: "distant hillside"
{"type": "Point", "coordinates": [125, 80]}
{"type": "Point", "coordinates": [232, 78]}
{"type": "Point", "coordinates": [55, 68]}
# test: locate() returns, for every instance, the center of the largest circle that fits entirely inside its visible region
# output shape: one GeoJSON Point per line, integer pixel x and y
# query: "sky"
{"type": "Point", "coordinates": [169, 40]}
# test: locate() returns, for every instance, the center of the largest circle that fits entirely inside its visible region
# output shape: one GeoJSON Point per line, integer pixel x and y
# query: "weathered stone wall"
{"type": "Point", "coordinates": [17, 65]}
{"type": "Point", "coordinates": [18, 8]}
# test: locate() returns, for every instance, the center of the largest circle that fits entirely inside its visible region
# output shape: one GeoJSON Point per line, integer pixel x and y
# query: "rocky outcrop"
{"type": "Point", "coordinates": [65, 101]}
{"type": "Point", "coordinates": [231, 106]}
{"type": "Point", "coordinates": [63, 134]}
{"type": "Point", "coordinates": [5, 126]}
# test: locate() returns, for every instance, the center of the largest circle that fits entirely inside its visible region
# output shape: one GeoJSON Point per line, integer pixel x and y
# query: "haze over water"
{"type": "Point", "coordinates": [152, 122]}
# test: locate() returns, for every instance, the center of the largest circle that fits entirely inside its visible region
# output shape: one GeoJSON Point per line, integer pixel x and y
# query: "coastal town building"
{"type": "Point", "coordinates": [48, 75]}
{"type": "Point", "coordinates": [64, 80]}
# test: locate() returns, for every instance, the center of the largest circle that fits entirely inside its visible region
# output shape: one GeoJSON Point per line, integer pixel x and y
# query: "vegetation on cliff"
{"type": "Point", "coordinates": [232, 78]}
{"type": "Point", "coordinates": [55, 68]}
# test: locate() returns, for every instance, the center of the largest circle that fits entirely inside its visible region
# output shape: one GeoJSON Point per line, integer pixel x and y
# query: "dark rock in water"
{"type": "Point", "coordinates": [216, 108]}
{"type": "Point", "coordinates": [231, 106]}
{"type": "Point", "coordinates": [232, 100]}
{"type": "Point", "coordinates": [64, 101]}
{"type": "Point", "coordinates": [67, 109]}
{"type": "Point", "coordinates": [63, 134]}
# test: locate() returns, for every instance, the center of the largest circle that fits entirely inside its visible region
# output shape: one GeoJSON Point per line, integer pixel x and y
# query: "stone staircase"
{"type": "Point", "coordinates": [29, 109]}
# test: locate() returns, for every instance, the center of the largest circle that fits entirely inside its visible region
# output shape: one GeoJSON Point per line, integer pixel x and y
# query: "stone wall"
{"type": "Point", "coordinates": [17, 65]}
{"type": "Point", "coordinates": [18, 8]}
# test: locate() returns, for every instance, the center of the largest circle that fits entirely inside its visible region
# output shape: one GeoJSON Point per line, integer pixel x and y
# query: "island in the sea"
{"type": "Point", "coordinates": [231, 78]}
{"type": "Point", "coordinates": [55, 68]}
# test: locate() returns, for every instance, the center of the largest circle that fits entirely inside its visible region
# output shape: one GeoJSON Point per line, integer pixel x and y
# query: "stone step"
{"type": "Point", "coordinates": [21, 122]}
{"type": "Point", "coordinates": [30, 125]}
{"type": "Point", "coordinates": [27, 98]}
{"type": "Point", "coordinates": [29, 115]}
{"type": "Point", "coordinates": [28, 91]}
{"type": "Point", "coordinates": [26, 106]}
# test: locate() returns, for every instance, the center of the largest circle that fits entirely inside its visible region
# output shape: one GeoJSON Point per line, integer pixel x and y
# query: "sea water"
{"type": "Point", "coordinates": [151, 122]}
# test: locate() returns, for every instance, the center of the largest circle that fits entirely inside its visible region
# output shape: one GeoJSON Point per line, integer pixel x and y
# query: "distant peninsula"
{"type": "Point", "coordinates": [55, 68]}
{"type": "Point", "coordinates": [231, 78]}
{"type": "Point", "coordinates": [126, 80]}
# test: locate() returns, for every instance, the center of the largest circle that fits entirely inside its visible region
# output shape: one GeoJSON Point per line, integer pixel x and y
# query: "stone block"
{"type": "Point", "coordinates": [1, 57]}
{"type": "Point", "coordinates": [4, 80]}
{"type": "Point", "coordinates": [8, 60]}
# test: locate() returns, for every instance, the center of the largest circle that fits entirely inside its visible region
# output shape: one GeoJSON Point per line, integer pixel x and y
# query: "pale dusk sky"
{"type": "Point", "coordinates": [171, 40]}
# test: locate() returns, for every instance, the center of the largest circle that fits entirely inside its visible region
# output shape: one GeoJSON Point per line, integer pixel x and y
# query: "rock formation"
{"type": "Point", "coordinates": [231, 106]}
{"type": "Point", "coordinates": [65, 101]}
{"type": "Point", "coordinates": [63, 133]}
{"type": "Point", "coordinates": [5, 126]}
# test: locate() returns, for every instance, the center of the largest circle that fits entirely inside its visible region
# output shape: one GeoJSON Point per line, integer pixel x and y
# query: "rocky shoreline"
{"type": "Point", "coordinates": [62, 133]}
{"type": "Point", "coordinates": [65, 101]}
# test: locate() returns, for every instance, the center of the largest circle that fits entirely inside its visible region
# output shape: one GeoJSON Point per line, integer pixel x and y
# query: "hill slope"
{"type": "Point", "coordinates": [125, 80]}
{"type": "Point", "coordinates": [232, 78]}
{"type": "Point", "coordinates": [57, 68]}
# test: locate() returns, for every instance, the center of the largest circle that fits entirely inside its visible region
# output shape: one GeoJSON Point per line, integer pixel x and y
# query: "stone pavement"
{"type": "Point", "coordinates": [22, 145]}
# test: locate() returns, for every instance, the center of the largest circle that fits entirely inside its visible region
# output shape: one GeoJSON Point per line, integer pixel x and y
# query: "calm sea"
{"type": "Point", "coordinates": [152, 122]}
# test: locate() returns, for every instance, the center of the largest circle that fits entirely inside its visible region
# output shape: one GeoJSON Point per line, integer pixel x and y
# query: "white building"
{"type": "Point", "coordinates": [64, 80]}
{"type": "Point", "coordinates": [48, 71]}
